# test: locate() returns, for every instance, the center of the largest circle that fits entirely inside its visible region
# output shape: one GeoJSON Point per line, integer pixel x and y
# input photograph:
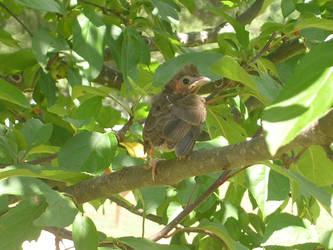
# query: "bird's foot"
{"type": "Point", "coordinates": [153, 165]}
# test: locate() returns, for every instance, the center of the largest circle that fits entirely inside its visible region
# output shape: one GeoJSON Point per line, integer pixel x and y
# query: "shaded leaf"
{"type": "Point", "coordinates": [12, 65]}
{"type": "Point", "coordinates": [60, 211]}
{"type": "Point", "coordinates": [17, 225]}
{"type": "Point", "coordinates": [44, 5]}
{"type": "Point", "coordinates": [287, 7]}
{"type": "Point", "coordinates": [142, 243]}
{"type": "Point", "coordinates": [316, 167]}
{"type": "Point", "coordinates": [7, 39]}
{"type": "Point", "coordinates": [165, 11]}
{"type": "Point", "coordinates": [88, 151]}
{"type": "Point", "coordinates": [35, 132]}
{"type": "Point", "coordinates": [10, 93]}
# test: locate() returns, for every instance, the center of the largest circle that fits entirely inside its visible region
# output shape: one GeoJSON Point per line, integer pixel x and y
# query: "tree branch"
{"type": "Point", "coordinates": [171, 172]}
{"type": "Point", "coordinates": [16, 18]}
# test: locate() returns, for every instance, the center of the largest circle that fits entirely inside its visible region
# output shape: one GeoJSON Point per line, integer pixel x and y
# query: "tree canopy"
{"type": "Point", "coordinates": [76, 79]}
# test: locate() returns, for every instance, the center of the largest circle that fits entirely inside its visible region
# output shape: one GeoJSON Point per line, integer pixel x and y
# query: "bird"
{"type": "Point", "coordinates": [176, 116]}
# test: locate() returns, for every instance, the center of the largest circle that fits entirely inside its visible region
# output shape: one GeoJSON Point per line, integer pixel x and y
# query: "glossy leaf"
{"type": "Point", "coordinates": [88, 151]}
{"type": "Point", "coordinates": [88, 42]}
{"type": "Point", "coordinates": [10, 93]}
{"type": "Point", "coordinates": [85, 235]}
{"type": "Point", "coordinates": [17, 225]}
{"type": "Point", "coordinates": [316, 167]}
{"type": "Point", "coordinates": [60, 211]}
{"type": "Point", "coordinates": [306, 97]}
{"type": "Point", "coordinates": [44, 5]}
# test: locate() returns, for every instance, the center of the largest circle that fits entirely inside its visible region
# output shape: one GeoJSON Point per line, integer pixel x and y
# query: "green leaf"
{"type": "Point", "coordinates": [10, 93]}
{"type": "Point", "coordinates": [142, 243]}
{"type": "Point", "coordinates": [88, 151]}
{"type": "Point", "coordinates": [89, 109]}
{"type": "Point", "coordinates": [229, 68]}
{"type": "Point", "coordinates": [134, 50]}
{"type": "Point", "coordinates": [220, 231]}
{"type": "Point", "coordinates": [327, 239]}
{"type": "Point", "coordinates": [287, 230]}
{"type": "Point", "coordinates": [60, 211]}
{"type": "Point", "coordinates": [314, 22]}
{"type": "Point", "coordinates": [268, 88]}
{"type": "Point", "coordinates": [261, 185]}
{"type": "Point", "coordinates": [48, 87]}
{"type": "Point", "coordinates": [88, 42]}
{"type": "Point", "coordinates": [316, 167]}
{"type": "Point", "coordinates": [43, 42]}
{"type": "Point", "coordinates": [202, 60]}
{"type": "Point", "coordinates": [241, 34]}
{"type": "Point", "coordinates": [17, 225]}
{"type": "Point", "coordinates": [50, 173]}
{"type": "Point", "coordinates": [220, 122]}
{"type": "Point", "coordinates": [165, 11]}
{"type": "Point", "coordinates": [17, 61]}
{"type": "Point", "coordinates": [306, 97]}
{"type": "Point", "coordinates": [287, 7]}
{"type": "Point", "coordinates": [85, 235]}
{"type": "Point", "coordinates": [7, 39]}
{"type": "Point", "coordinates": [35, 132]}
{"type": "Point", "coordinates": [152, 198]}
{"type": "Point", "coordinates": [307, 188]}
{"type": "Point", "coordinates": [44, 5]}
{"type": "Point", "coordinates": [189, 4]}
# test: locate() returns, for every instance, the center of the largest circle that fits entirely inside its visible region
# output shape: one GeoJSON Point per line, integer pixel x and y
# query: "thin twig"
{"type": "Point", "coordinates": [161, 234]}
{"type": "Point", "coordinates": [16, 18]}
{"type": "Point", "coordinates": [262, 51]}
{"type": "Point", "coordinates": [133, 210]}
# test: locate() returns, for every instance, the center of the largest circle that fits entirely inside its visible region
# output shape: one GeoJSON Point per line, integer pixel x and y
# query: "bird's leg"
{"type": "Point", "coordinates": [152, 163]}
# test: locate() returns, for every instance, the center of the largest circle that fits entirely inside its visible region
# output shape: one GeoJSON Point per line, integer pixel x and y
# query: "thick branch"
{"type": "Point", "coordinates": [171, 172]}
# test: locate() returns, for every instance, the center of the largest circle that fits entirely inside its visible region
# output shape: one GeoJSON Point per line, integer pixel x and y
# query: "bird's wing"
{"type": "Point", "coordinates": [191, 109]}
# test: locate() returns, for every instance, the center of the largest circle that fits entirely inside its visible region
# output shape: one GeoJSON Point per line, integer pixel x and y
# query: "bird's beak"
{"type": "Point", "coordinates": [199, 82]}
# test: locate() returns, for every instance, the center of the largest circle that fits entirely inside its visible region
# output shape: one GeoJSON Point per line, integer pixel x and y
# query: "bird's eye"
{"type": "Point", "coordinates": [186, 81]}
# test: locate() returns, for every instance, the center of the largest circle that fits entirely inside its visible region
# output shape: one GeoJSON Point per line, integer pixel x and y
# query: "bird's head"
{"type": "Point", "coordinates": [186, 81]}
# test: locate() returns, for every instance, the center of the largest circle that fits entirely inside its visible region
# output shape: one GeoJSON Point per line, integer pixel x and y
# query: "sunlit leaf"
{"type": "Point", "coordinates": [45, 5]}
{"type": "Point", "coordinates": [85, 235]}
{"type": "Point", "coordinates": [306, 97]}
{"type": "Point", "coordinates": [10, 93]}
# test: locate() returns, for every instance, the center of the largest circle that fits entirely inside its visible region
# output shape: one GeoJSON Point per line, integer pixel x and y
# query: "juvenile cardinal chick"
{"type": "Point", "coordinates": [176, 116]}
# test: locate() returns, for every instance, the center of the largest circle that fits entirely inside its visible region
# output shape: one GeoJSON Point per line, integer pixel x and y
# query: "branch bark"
{"type": "Point", "coordinates": [171, 172]}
